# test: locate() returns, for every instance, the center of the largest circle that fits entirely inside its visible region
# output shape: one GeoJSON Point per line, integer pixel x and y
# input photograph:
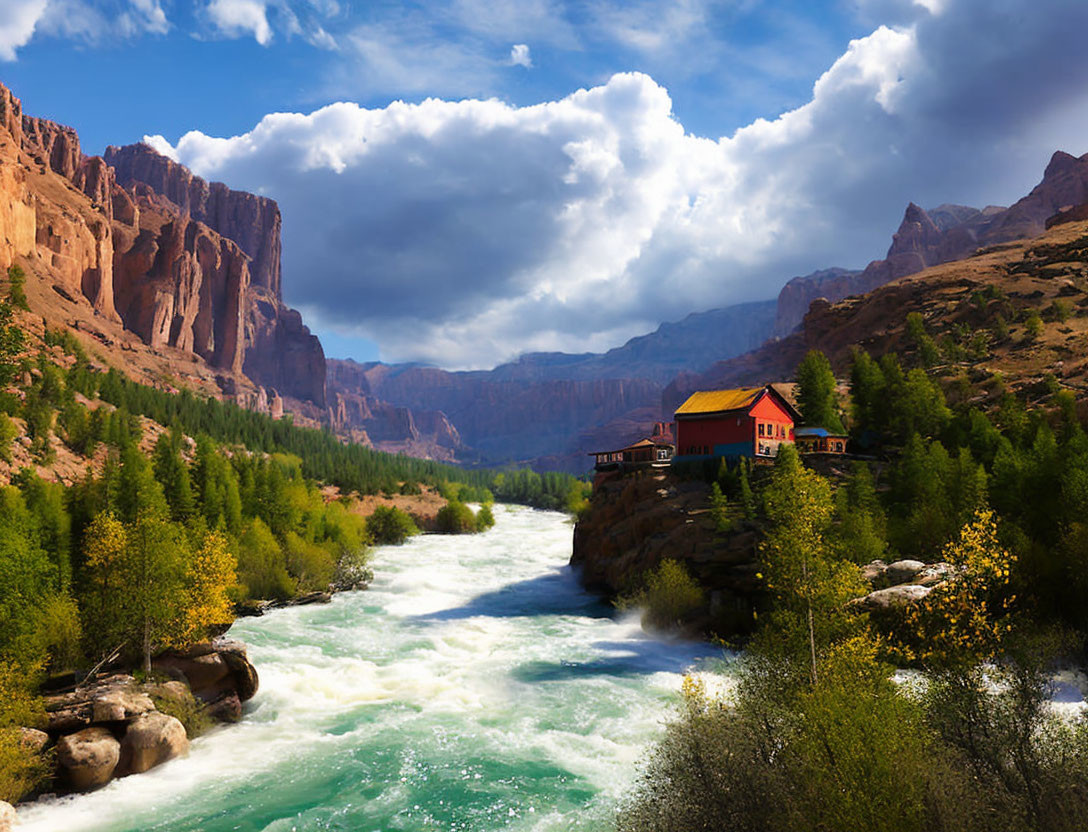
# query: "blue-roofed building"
{"type": "Point", "coordinates": [819, 441]}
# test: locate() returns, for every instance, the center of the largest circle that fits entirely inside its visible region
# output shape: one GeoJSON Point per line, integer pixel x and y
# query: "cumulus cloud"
{"type": "Point", "coordinates": [463, 233]}
{"type": "Point", "coordinates": [519, 55]}
{"type": "Point", "coordinates": [18, 19]}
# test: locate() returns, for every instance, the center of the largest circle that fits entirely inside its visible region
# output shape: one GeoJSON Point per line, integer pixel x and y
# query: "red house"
{"type": "Point", "coordinates": [748, 421]}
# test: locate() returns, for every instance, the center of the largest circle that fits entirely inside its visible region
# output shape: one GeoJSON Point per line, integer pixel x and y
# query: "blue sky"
{"type": "Point", "coordinates": [716, 148]}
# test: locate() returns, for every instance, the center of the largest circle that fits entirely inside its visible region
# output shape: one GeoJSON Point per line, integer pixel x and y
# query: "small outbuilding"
{"type": "Point", "coordinates": [657, 449]}
{"type": "Point", "coordinates": [819, 441]}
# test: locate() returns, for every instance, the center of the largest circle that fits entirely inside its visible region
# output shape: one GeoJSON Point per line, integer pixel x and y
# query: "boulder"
{"type": "Point", "coordinates": [203, 673]}
{"type": "Point", "coordinates": [225, 709]}
{"type": "Point", "coordinates": [7, 817]}
{"type": "Point", "coordinates": [873, 572]}
{"type": "Point", "coordinates": [116, 698]}
{"type": "Point", "coordinates": [902, 571]}
{"type": "Point", "coordinates": [936, 573]}
{"type": "Point", "coordinates": [892, 598]}
{"type": "Point", "coordinates": [121, 704]}
{"type": "Point", "coordinates": [33, 740]}
{"type": "Point", "coordinates": [151, 740]}
{"type": "Point", "coordinates": [243, 673]}
{"type": "Point", "coordinates": [88, 758]}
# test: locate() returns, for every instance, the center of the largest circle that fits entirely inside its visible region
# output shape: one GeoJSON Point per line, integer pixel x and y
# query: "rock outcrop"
{"type": "Point", "coordinates": [111, 727]}
{"type": "Point", "coordinates": [252, 222]}
{"type": "Point", "coordinates": [7, 817]}
{"type": "Point", "coordinates": [636, 521]}
{"type": "Point", "coordinates": [180, 262]}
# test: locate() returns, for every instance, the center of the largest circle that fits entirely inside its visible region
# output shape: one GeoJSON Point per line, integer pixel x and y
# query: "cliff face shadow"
{"type": "Point", "coordinates": [554, 593]}
{"type": "Point", "coordinates": [635, 658]}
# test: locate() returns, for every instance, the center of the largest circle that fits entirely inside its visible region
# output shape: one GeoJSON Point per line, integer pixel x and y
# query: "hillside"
{"type": "Point", "coordinates": [977, 310]}
{"type": "Point", "coordinates": [941, 235]}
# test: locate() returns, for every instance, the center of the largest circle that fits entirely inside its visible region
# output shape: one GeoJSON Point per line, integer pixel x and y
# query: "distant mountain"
{"type": "Point", "coordinates": [693, 343]}
{"type": "Point", "coordinates": [545, 409]}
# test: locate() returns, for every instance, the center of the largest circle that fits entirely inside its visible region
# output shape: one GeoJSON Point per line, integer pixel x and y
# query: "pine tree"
{"type": "Point", "coordinates": [816, 395]}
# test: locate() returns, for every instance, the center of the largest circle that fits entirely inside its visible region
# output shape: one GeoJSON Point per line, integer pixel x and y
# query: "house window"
{"type": "Point", "coordinates": [761, 428]}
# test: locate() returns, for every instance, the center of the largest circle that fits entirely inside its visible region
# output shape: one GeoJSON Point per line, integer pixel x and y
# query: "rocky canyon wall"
{"type": "Point", "coordinates": [180, 262]}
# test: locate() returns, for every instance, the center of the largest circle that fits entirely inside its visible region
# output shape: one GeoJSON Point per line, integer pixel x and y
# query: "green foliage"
{"type": "Point", "coordinates": [190, 712]}
{"type": "Point", "coordinates": [8, 432]}
{"type": "Point", "coordinates": [816, 395]}
{"type": "Point", "coordinates": [892, 404]}
{"type": "Point", "coordinates": [719, 510]}
{"type": "Point", "coordinates": [862, 528]}
{"type": "Point", "coordinates": [173, 475]}
{"type": "Point", "coordinates": [928, 354]}
{"type": "Point", "coordinates": [1033, 326]}
{"type": "Point", "coordinates": [669, 595]}
{"type": "Point", "coordinates": [456, 518]}
{"type": "Point", "coordinates": [484, 518]}
{"type": "Point", "coordinates": [1060, 310]}
{"type": "Point", "coordinates": [21, 770]}
{"type": "Point", "coordinates": [809, 585]}
{"type": "Point", "coordinates": [262, 566]}
{"type": "Point", "coordinates": [17, 288]}
{"type": "Point", "coordinates": [390, 525]}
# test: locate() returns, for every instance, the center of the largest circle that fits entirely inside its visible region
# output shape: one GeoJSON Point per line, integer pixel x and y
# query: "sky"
{"type": "Point", "coordinates": [465, 181]}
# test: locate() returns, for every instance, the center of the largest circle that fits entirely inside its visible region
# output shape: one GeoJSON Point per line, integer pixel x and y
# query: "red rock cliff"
{"type": "Point", "coordinates": [181, 263]}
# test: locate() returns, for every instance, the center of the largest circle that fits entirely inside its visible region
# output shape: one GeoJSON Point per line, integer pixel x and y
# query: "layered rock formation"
{"type": "Point", "coordinates": [502, 420]}
{"type": "Point", "coordinates": [180, 262]}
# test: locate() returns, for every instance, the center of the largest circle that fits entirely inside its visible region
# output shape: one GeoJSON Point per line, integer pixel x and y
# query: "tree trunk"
{"type": "Point", "coordinates": [147, 647]}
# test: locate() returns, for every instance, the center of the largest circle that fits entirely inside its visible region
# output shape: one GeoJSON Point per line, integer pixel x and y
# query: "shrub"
{"type": "Point", "coordinates": [668, 596]}
{"type": "Point", "coordinates": [390, 525]}
{"type": "Point", "coordinates": [1033, 326]}
{"type": "Point", "coordinates": [17, 288]}
{"type": "Point", "coordinates": [8, 432]}
{"type": "Point", "coordinates": [190, 712]}
{"type": "Point", "coordinates": [21, 770]}
{"type": "Point", "coordinates": [456, 518]}
{"type": "Point", "coordinates": [484, 518]}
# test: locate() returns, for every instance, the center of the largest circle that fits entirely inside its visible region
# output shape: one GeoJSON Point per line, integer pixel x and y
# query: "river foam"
{"type": "Point", "coordinates": [475, 687]}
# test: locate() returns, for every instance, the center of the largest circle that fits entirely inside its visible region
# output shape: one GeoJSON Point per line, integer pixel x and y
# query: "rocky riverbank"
{"type": "Point", "coordinates": [114, 725]}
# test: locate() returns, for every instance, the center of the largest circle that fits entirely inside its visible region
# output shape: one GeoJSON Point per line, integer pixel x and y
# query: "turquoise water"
{"type": "Point", "coordinates": [474, 687]}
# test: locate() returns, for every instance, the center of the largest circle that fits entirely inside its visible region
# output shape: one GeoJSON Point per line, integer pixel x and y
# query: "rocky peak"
{"type": "Point", "coordinates": [253, 222]}
{"type": "Point", "coordinates": [11, 115]}
{"type": "Point", "coordinates": [52, 144]}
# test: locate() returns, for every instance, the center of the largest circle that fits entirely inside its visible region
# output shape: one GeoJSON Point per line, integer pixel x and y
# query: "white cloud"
{"type": "Point", "coordinates": [465, 232]}
{"type": "Point", "coordinates": [235, 18]}
{"type": "Point", "coordinates": [519, 55]}
{"type": "Point", "coordinates": [91, 21]}
{"type": "Point", "coordinates": [18, 19]}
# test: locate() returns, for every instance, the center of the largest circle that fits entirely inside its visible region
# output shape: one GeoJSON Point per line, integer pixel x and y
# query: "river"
{"type": "Point", "coordinates": [474, 687]}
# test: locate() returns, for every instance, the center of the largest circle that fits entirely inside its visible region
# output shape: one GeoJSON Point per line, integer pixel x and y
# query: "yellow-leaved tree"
{"type": "Point", "coordinates": [965, 619]}
{"type": "Point", "coordinates": [809, 583]}
{"type": "Point", "coordinates": [210, 574]}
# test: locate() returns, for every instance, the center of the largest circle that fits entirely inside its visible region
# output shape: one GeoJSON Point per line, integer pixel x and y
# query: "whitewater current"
{"type": "Point", "coordinates": [474, 687]}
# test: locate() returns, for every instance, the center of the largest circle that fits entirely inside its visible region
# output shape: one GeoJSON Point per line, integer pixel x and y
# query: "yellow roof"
{"type": "Point", "coordinates": [715, 401]}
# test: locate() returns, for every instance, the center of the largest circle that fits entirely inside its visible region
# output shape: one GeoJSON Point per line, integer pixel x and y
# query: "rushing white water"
{"type": "Point", "coordinates": [474, 687]}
